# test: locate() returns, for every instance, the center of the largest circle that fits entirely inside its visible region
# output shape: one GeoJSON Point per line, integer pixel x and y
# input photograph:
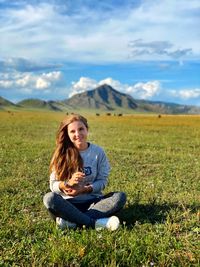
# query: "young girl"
{"type": "Point", "coordinates": [79, 173]}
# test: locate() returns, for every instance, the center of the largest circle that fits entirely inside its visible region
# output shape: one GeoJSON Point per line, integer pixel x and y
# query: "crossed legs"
{"type": "Point", "coordinates": [85, 213]}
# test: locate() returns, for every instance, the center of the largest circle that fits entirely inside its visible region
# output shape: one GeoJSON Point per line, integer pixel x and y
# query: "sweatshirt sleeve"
{"type": "Point", "coordinates": [54, 183]}
{"type": "Point", "coordinates": [103, 169]}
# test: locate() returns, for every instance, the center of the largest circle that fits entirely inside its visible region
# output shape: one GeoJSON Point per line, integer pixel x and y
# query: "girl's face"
{"type": "Point", "coordinates": [77, 133]}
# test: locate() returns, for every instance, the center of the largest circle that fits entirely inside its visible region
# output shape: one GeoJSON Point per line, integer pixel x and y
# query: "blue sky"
{"type": "Point", "coordinates": [52, 49]}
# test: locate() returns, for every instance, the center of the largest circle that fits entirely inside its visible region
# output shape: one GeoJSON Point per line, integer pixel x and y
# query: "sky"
{"type": "Point", "coordinates": [53, 49]}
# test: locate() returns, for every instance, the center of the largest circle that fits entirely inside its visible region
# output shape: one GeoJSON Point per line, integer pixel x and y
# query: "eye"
{"type": "Point", "coordinates": [81, 129]}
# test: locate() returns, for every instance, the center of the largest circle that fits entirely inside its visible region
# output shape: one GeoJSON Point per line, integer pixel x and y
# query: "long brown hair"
{"type": "Point", "coordinates": [66, 158]}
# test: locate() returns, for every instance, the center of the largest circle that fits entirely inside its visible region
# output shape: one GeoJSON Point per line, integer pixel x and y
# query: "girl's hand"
{"type": "Point", "coordinates": [77, 190]}
{"type": "Point", "coordinates": [77, 177]}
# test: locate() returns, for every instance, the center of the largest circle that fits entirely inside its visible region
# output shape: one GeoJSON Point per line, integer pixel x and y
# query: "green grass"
{"type": "Point", "coordinates": [156, 161]}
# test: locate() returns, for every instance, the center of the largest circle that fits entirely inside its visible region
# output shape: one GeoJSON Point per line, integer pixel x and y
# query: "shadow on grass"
{"type": "Point", "coordinates": [152, 213]}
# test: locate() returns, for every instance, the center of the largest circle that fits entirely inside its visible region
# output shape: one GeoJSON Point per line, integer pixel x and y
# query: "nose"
{"type": "Point", "coordinates": [77, 133]}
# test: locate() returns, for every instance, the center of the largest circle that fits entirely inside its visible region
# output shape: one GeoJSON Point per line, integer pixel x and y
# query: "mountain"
{"type": "Point", "coordinates": [106, 98]}
{"type": "Point", "coordinates": [103, 97]}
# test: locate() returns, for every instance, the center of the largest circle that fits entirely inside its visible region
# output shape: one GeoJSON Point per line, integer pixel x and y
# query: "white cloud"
{"type": "Point", "coordinates": [144, 90]}
{"type": "Point", "coordinates": [42, 84]}
{"type": "Point", "coordinates": [25, 80]}
{"type": "Point", "coordinates": [139, 90]}
{"type": "Point", "coordinates": [52, 76]}
{"type": "Point", "coordinates": [30, 82]}
{"type": "Point", "coordinates": [114, 83]}
{"type": "Point", "coordinates": [5, 84]}
{"type": "Point", "coordinates": [187, 93]}
{"type": "Point", "coordinates": [84, 84]}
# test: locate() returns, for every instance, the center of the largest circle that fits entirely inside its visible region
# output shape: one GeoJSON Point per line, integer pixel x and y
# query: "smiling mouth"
{"type": "Point", "coordinates": [79, 139]}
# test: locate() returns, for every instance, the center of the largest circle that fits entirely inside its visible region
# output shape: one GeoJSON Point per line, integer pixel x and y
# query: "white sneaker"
{"type": "Point", "coordinates": [111, 223]}
{"type": "Point", "coordinates": [62, 224]}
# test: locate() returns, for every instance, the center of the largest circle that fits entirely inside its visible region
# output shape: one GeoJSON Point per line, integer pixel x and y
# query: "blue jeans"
{"type": "Point", "coordinates": [85, 213]}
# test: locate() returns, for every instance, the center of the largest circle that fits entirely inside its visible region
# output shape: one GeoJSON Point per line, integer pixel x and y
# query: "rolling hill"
{"type": "Point", "coordinates": [4, 103]}
{"type": "Point", "coordinates": [39, 104]}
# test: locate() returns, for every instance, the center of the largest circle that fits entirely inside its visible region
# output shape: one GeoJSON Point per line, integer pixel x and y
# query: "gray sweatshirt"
{"type": "Point", "coordinates": [96, 169]}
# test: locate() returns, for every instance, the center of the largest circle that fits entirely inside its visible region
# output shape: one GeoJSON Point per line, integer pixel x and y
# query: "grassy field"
{"type": "Point", "coordinates": [156, 161]}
